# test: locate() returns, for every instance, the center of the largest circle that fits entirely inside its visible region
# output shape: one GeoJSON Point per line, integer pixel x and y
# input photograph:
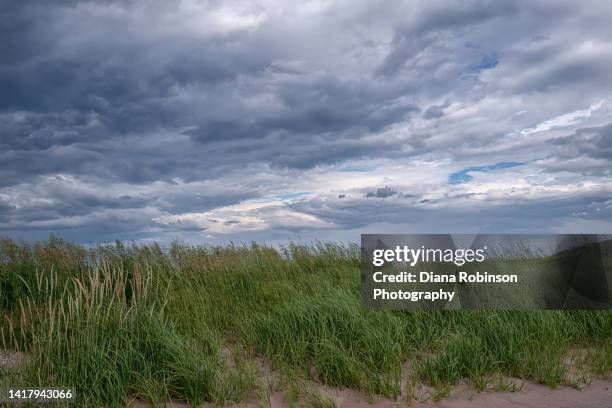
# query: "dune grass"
{"type": "Point", "coordinates": [186, 322]}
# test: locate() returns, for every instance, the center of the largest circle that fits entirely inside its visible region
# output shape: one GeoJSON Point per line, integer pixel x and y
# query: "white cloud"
{"type": "Point", "coordinates": [565, 120]}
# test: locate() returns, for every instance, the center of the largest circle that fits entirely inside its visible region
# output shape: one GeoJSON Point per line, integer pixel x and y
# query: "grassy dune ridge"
{"type": "Point", "coordinates": [188, 322]}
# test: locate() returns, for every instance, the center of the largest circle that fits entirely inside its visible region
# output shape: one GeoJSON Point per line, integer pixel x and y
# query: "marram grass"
{"type": "Point", "coordinates": [118, 322]}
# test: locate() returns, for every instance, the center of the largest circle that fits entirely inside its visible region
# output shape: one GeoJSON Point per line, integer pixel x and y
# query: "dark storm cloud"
{"type": "Point", "coordinates": [435, 20]}
{"type": "Point", "coordinates": [592, 142]}
{"type": "Point", "coordinates": [587, 150]}
{"type": "Point", "coordinates": [383, 192]}
{"type": "Point", "coordinates": [434, 112]}
{"type": "Point", "coordinates": [333, 108]}
{"type": "Point", "coordinates": [94, 95]}
{"type": "Point", "coordinates": [467, 217]}
{"type": "Point", "coordinates": [302, 152]}
{"type": "Point", "coordinates": [61, 203]}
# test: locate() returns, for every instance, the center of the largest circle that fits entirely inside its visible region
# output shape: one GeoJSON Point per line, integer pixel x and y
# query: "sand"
{"type": "Point", "coordinates": [10, 360]}
{"type": "Point", "coordinates": [532, 395]}
{"type": "Point", "coordinates": [597, 394]}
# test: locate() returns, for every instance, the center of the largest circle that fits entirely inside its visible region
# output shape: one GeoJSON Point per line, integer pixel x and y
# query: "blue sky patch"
{"type": "Point", "coordinates": [463, 176]}
{"type": "Point", "coordinates": [489, 62]}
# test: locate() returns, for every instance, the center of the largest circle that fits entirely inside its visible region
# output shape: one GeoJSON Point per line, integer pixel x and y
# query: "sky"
{"type": "Point", "coordinates": [218, 121]}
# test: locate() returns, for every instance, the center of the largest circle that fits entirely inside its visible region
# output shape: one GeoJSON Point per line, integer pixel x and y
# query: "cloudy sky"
{"type": "Point", "coordinates": [211, 121]}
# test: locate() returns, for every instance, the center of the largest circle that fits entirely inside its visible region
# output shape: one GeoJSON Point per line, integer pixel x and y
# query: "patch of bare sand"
{"type": "Point", "coordinates": [532, 395]}
{"type": "Point", "coordinates": [500, 393]}
{"type": "Point", "coordinates": [11, 360]}
{"type": "Point", "coordinates": [596, 395]}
